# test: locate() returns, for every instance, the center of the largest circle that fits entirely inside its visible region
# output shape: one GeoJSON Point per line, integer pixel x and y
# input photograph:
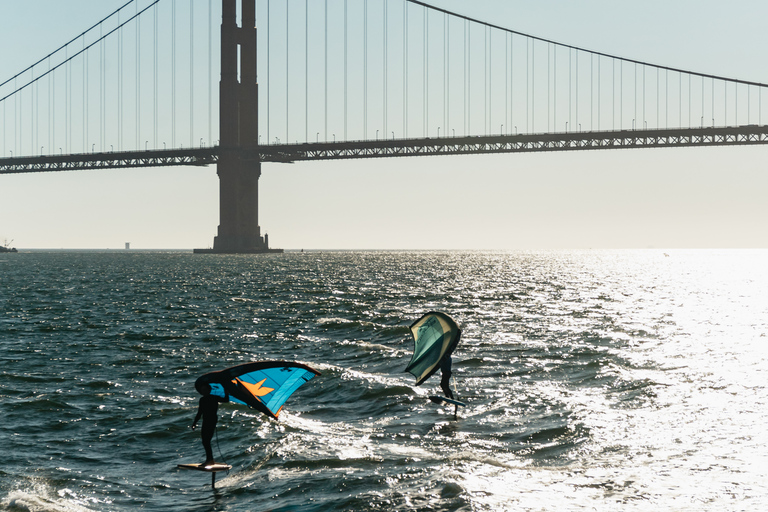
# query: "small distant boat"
{"type": "Point", "coordinates": [5, 248]}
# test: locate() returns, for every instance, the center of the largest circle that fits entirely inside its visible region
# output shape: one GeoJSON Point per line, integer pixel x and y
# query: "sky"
{"type": "Point", "coordinates": [638, 198]}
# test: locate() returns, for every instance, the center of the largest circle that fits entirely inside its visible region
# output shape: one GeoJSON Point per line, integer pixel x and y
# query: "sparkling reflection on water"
{"type": "Point", "coordinates": [607, 380]}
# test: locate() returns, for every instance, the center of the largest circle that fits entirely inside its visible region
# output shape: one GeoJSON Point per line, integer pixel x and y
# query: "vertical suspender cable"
{"type": "Point", "coordinates": [154, 79]}
{"type": "Point", "coordinates": [702, 103]}
{"type": "Point", "coordinates": [613, 94]}
{"type": "Point", "coordinates": [554, 87]}
{"type": "Point", "coordinates": [405, 70]}
{"type": "Point", "coordinates": [15, 119]}
{"type": "Point", "coordinates": [52, 143]}
{"type": "Point", "coordinates": [85, 100]}
{"type": "Point", "coordinates": [34, 94]}
{"type": "Point", "coordinates": [384, 68]}
{"type": "Point", "coordinates": [426, 72]}
{"type": "Point", "coordinates": [533, 85]}
{"type": "Point", "coordinates": [31, 118]}
{"type": "Point", "coordinates": [446, 78]}
{"type": "Point", "coordinates": [287, 53]}
{"type": "Point", "coordinates": [68, 105]}
{"type": "Point", "coordinates": [599, 90]}
{"type": "Point", "coordinates": [15, 128]}
{"type": "Point", "coordinates": [67, 102]}
{"type": "Point", "coordinates": [19, 127]}
{"type": "Point", "coordinates": [210, 72]}
{"type": "Point", "coordinates": [550, 88]}
{"type": "Point", "coordinates": [138, 79]}
{"type": "Point", "coordinates": [51, 108]}
{"type": "Point", "coordinates": [86, 95]}
{"type": "Point", "coordinates": [666, 98]}
{"type": "Point", "coordinates": [269, 74]}
{"type": "Point", "coordinates": [549, 85]}
{"type": "Point", "coordinates": [490, 80]}
{"type": "Point", "coordinates": [680, 100]}
{"type": "Point", "coordinates": [591, 90]}
{"type": "Point", "coordinates": [19, 123]}
{"type": "Point", "coordinates": [365, 69]}
{"type": "Point", "coordinates": [486, 85]}
{"type": "Point", "coordinates": [528, 87]}
{"type": "Point", "coordinates": [569, 124]}
{"type": "Point", "coordinates": [445, 74]}
{"type": "Point", "coordinates": [326, 70]}
{"type": "Point", "coordinates": [425, 107]}
{"type": "Point", "coordinates": [658, 98]}
{"type": "Point", "coordinates": [306, 70]}
{"type": "Point", "coordinates": [34, 108]}
{"type": "Point", "coordinates": [119, 87]}
{"type": "Point", "coordinates": [448, 74]}
{"type": "Point", "coordinates": [191, 74]}
{"type": "Point", "coordinates": [70, 88]}
{"type": "Point", "coordinates": [576, 94]}
{"type": "Point", "coordinates": [102, 93]}
{"type": "Point", "coordinates": [173, 73]}
{"type": "Point", "coordinates": [643, 125]}
{"type": "Point", "coordinates": [345, 69]}
{"type": "Point", "coordinates": [621, 94]}
{"type": "Point", "coordinates": [464, 81]}
{"type": "Point", "coordinates": [35, 104]}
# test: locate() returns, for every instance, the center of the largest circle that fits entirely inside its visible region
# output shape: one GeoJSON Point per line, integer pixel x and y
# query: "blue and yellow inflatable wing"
{"type": "Point", "coordinates": [262, 385]}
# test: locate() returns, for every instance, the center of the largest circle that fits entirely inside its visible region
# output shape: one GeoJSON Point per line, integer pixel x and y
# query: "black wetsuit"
{"type": "Point", "coordinates": [445, 382]}
{"type": "Point", "coordinates": [208, 409]}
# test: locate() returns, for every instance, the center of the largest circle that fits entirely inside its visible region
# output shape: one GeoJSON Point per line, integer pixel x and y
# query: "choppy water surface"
{"type": "Point", "coordinates": [601, 380]}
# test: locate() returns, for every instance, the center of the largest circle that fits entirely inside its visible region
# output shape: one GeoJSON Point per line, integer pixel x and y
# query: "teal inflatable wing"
{"type": "Point", "coordinates": [435, 336]}
{"type": "Point", "coordinates": [262, 385]}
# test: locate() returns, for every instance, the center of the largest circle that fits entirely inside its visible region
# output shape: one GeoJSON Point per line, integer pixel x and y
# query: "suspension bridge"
{"type": "Point", "coordinates": [339, 79]}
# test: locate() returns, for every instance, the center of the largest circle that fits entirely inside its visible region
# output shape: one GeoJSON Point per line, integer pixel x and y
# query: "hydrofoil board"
{"type": "Point", "coordinates": [443, 400]}
{"type": "Point", "coordinates": [211, 468]}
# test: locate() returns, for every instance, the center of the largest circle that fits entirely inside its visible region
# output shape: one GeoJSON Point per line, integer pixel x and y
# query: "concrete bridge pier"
{"type": "Point", "coordinates": [239, 230]}
{"type": "Point", "coordinates": [238, 169]}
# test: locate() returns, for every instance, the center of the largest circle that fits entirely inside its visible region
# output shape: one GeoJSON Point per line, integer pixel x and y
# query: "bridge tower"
{"type": "Point", "coordinates": [238, 166]}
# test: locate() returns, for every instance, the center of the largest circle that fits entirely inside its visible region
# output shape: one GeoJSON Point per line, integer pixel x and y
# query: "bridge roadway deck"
{"type": "Point", "coordinates": [384, 148]}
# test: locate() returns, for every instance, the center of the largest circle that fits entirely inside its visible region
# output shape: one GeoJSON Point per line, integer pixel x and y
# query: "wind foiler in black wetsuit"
{"type": "Point", "coordinates": [208, 410]}
{"type": "Point", "coordinates": [445, 382]}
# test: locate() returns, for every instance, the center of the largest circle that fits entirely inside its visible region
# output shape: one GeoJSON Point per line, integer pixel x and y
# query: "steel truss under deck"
{"type": "Point", "coordinates": [742, 135]}
{"type": "Point", "coordinates": [287, 153]}
{"type": "Point", "coordinates": [112, 160]}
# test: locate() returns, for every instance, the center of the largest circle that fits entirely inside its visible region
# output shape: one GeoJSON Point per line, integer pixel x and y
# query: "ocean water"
{"type": "Point", "coordinates": [595, 380]}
